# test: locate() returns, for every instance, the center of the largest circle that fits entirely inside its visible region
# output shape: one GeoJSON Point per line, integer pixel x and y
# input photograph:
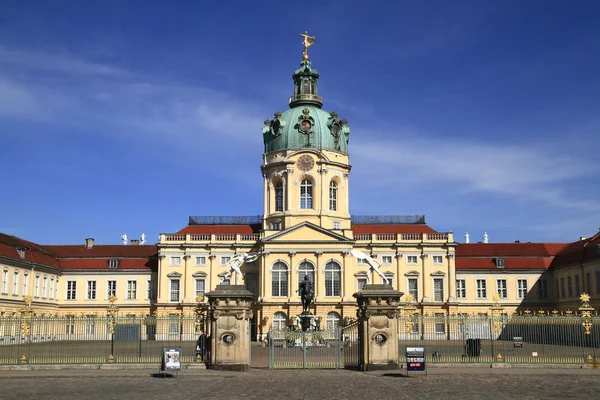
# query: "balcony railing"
{"type": "Point", "coordinates": [209, 237]}
{"type": "Point", "coordinates": [402, 237]}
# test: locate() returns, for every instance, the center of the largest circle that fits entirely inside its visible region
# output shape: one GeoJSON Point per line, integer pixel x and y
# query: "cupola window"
{"type": "Point", "coordinates": [306, 194]}
{"type": "Point", "coordinates": [333, 189]}
{"type": "Point", "coordinates": [279, 196]}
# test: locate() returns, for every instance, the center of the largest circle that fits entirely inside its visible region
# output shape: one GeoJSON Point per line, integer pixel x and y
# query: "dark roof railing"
{"type": "Point", "coordinates": [257, 219]}
{"type": "Point", "coordinates": [226, 220]}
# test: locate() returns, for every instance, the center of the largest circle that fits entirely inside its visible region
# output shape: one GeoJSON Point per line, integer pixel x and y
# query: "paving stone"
{"type": "Point", "coordinates": [463, 383]}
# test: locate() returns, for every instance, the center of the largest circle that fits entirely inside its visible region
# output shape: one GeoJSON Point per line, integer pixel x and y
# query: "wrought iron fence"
{"type": "Point", "coordinates": [332, 348]}
{"type": "Point", "coordinates": [297, 349]}
{"type": "Point", "coordinates": [99, 339]}
{"type": "Point", "coordinates": [526, 338]}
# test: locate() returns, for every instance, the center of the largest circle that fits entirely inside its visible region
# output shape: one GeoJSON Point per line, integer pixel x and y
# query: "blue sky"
{"type": "Point", "coordinates": [129, 116]}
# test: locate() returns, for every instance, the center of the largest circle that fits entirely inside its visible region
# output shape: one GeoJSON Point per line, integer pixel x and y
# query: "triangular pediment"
{"type": "Point", "coordinates": [306, 232]}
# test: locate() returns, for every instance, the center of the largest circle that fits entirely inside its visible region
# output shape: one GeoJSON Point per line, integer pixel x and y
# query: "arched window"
{"type": "Point", "coordinates": [279, 196]}
{"type": "Point", "coordinates": [279, 321]}
{"type": "Point", "coordinates": [306, 268]}
{"type": "Point", "coordinates": [306, 194]}
{"type": "Point", "coordinates": [333, 320]}
{"type": "Point", "coordinates": [333, 192]}
{"type": "Point", "coordinates": [333, 279]}
{"type": "Point", "coordinates": [279, 281]}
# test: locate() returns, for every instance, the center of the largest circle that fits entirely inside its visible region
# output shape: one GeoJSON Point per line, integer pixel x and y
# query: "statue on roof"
{"type": "Point", "coordinates": [143, 238]}
{"type": "Point", "coordinates": [307, 42]}
{"type": "Point", "coordinates": [467, 237]}
{"type": "Point", "coordinates": [486, 238]}
{"type": "Point", "coordinates": [124, 238]}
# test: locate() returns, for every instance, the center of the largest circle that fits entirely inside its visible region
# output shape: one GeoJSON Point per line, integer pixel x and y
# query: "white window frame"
{"type": "Point", "coordinates": [71, 292]}
{"type": "Point", "coordinates": [332, 320]}
{"type": "Point", "coordinates": [51, 297]}
{"type": "Point", "coordinates": [132, 290]}
{"type": "Point", "coordinates": [149, 289]}
{"type": "Point", "coordinates": [333, 196]}
{"type": "Point", "coordinates": [15, 283]}
{"type": "Point", "coordinates": [90, 325]}
{"type": "Point", "coordinates": [111, 291]}
{"type": "Point", "coordinates": [387, 259]}
{"type": "Point", "coordinates": [275, 225]}
{"type": "Point", "coordinates": [433, 280]}
{"type": "Point", "coordinates": [499, 288]}
{"type": "Point", "coordinates": [113, 263]}
{"type": "Point", "coordinates": [280, 320]}
{"type": "Point", "coordinates": [437, 259]}
{"type": "Point", "coordinates": [408, 289]}
{"type": "Point", "coordinates": [306, 194]}
{"type": "Point", "coordinates": [200, 260]}
{"type": "Point", "coordinates": [25, 283]}
{"type": "Point", "coordinates": [439, 323]}
{"type": "Point", "coordinates": [461, 288]}
{"type": "Point", "coordinates": [277, 282]}
{"type": "Point", "coordinates": [481, 290]}
{"type": "Point", "coordinates": [409, 257]}
{"type": "Point", "coordinates": [332, 282]}
{"type": "Point", "coordinates": [91, 292]}
{"type": "Point", "coordinates": [175, 261]}
{"type": "Point", "coordinates": [337, 225]}
{"type": "Point", "coordinates": [522, 292]}
{"type": "Point", "coordinates": [5, 281]}
{"type": "Point", "coordinates": [203, 291]}
{"type": "Point", "coordinates": [225, 259]}
{"type": "Point", "coordinates": [44, 287]}
{"type": "Point", "coordinates": [173, 290]}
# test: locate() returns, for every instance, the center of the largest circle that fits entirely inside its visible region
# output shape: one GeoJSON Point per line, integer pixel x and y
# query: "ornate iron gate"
{"type": "Point", "coordinates": [334, 348]}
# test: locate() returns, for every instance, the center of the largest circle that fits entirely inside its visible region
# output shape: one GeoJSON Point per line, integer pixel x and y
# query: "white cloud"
{"type": "Point", "coordinates": [526, 171]}
{"type": "Point", "coordinates": [38, 61]}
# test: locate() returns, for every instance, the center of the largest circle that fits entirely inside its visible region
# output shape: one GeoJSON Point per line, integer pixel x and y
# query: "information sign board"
{"type": "Point", "coordinates": [415, 359]}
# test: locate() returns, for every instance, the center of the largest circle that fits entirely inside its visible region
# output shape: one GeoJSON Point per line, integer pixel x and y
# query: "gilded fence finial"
{"type": "Point", "coordinates": [586, 313]}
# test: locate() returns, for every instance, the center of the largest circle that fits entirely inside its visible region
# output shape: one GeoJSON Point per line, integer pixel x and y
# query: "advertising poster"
{"type": "Point", "coordinates": [172, 359]}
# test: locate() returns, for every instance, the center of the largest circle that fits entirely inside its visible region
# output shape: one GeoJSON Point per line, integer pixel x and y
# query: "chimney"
{"type": "Point", "coordinates": [134, 242]}
{"type": "Point", "coordinates": [517, 241]}
{"type": "Point", "coordinates": [581, 237]}
{"type": "Point", "coordinates": [89, 243]}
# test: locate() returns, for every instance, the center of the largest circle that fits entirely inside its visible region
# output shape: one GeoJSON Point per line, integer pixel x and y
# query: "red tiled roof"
{"type": "Point", "coordinates": [99, 263]}
{"type": "Point", "coordinates": [391, 228]}
{"type": "Point", "coordinates": [488, 263]}
{"type": "Point", "coordinates": [113, 250]}
{"type": "Point", "coordinates": [577, 252]}
{"type": "Point", "coordinates": [33, 252]}
{"type": "Point", "coordinates": [508, 249]}
{"type": "Point", "coordinates": [249, 228]}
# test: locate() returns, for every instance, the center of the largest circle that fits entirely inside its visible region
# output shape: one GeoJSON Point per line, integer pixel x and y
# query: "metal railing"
{"type": "Point", "coordinates": [528, 338]}
{"type": "Point", "coordinates": [98, 339]}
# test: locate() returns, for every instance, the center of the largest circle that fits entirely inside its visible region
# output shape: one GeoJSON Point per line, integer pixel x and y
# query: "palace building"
{"type": "Point", "coordinates": [306, 228]}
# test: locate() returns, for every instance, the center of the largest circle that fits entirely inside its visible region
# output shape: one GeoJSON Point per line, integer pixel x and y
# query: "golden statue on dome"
{"type": "Point", "coordinates": [307, 42]}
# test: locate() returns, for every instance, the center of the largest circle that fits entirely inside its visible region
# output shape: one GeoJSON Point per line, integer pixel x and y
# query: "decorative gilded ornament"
{"type": "Point", "coordinates": [306, 42]}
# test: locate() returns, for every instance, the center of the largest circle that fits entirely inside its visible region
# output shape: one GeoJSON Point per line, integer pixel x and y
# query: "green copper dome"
{"type": "Point", "coordinates": [305, 124]}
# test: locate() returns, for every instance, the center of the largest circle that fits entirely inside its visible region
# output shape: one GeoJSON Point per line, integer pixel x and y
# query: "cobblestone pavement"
{"type": "Point", "coordinates": [455, 383]}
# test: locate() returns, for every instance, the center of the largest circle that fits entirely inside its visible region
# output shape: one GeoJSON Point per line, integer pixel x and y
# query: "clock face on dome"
{"type": "Point", "coordinates": [305, 125]}
{"type": "Point", "coordinates": [306, 163]}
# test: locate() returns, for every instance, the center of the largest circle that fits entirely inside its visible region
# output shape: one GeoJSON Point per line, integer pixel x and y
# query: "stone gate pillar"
{"type": "Point", "coordinates": [230, 315]}
{"type": "Point", "coordinates": [378, 327]}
